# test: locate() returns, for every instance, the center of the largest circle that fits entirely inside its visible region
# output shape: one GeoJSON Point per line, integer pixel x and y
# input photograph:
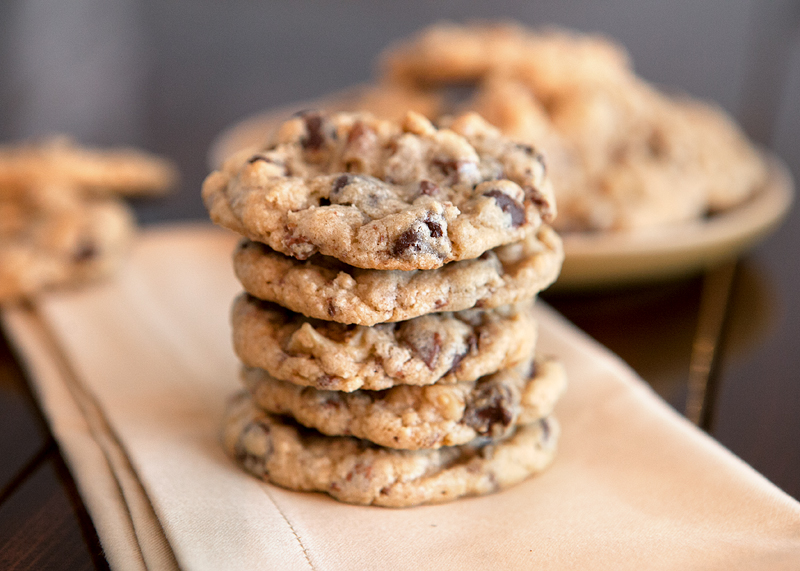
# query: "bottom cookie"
{"type": "Point", "coordinates": [356, 471]}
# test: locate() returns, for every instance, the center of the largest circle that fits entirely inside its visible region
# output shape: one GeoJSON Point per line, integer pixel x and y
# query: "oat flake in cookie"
{"type": "Point", "coordinates": [383, 195]}
{"type": "Point", "coordinates": [434, 348]}
{"type": "Point", "coordinates": [413, 418]}
{"type": "Point", "coordinates": [355, 471]}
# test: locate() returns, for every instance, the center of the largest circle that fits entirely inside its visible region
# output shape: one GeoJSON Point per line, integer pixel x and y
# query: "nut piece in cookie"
{"type": "Point", "coordinates": [379, 194]}
{"type": "Point", "coordinates": [355, 471]}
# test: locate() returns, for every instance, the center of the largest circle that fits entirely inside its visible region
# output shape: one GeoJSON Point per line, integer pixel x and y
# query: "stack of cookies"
{"type": "Point", "coordinates": [62, 219]}
{"type": "Point", "coordinates": [386, 333]}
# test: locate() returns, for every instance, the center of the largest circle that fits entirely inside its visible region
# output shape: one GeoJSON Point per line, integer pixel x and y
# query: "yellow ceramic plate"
{"type": "Point", "coordinates": [600, 259]}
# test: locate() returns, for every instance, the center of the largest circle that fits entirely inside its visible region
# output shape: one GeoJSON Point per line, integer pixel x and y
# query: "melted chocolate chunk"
{"type": "Point", "coordinates": [490, 410]}
{"type": "Point", "coordinates": [472, 346]}
{"type": "Point", "coordinates": [358, 131]}
{"type": "Point", "coordinates": [408, 240]}
{"type": "Point", "coordinates": [428, 188]}
{"type": "Point", "coordinates": [430, 353]}
{"type": "Point", "coordinates": [85, 252]}
{"type": "Point", "coordinates": [449, 167]}
{"type": "Point", "coordinates": [314, 137]}
{"type": "Point", "coordinates": [339, 332]}
{"type": "Point", "coordinates": [427, 349]}
{"type": "Point", "coordinates": [340, 183]}
{"type": "Point", "coordinates": [509, 206]}
{"type": "Point", "coordinates": [545, 208]}
{"type": "Point", "coordinates": [251, 461]}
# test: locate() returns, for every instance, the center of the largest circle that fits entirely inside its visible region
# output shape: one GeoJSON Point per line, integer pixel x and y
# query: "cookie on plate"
{"type": "Point", "coordinates": [379, 194]}
{"type": "Point", "coordinates": [356, 471]}
{"type": "Point", "coordinates": [323, 288]}
{"type": "Point", "coordinates": [621, 154]}
{"type": "Point", "coordinates": [434, 348]}
{"type": "Point", "coordinates": [413, 417]}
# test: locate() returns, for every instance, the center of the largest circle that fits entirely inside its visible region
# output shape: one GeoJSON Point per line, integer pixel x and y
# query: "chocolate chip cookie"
{"type": "Point", "coordinates": [355, 471]}
{"type": "Point", "coordinates": [621, 153]}
{"type": "Point", "coordinates": [434, 348]}
{"type": "Point", "coordinates": [63, 246]}
{"type": "Point", "coordinates": [98, 172]}
{"type": "Point", "coordinates": [384, 195]}
{"type": "Point", "coordinates": [323, 288]}
{"type": "Point", "coordinates": [413, 418]}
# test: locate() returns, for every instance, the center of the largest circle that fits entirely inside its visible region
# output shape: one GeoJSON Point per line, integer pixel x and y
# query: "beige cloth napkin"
{"type": "Point", "coordinates": [134, 375]}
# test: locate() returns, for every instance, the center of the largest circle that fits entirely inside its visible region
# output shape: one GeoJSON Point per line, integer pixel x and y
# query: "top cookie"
{"type": "Point", "coordinates": [383, 195]}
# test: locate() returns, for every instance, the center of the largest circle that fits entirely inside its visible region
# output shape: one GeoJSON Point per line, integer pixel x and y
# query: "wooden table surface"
{"type": "Point", "coordinates": [193, 87]}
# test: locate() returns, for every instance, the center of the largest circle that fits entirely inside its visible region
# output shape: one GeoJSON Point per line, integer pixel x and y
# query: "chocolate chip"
{"type": "Point", "coordinates": [428, 188]}
{"type": "Point", "coordinates": [341, 182]}
{"type": "Point", "coordinates": [356, 132]}
{"type": "Point", "coordinates": [509, 206]}
{"type": "Point", "coordinates": [472, 346]}
{"type": "Point", "coordinates": [434, 227]}
{"type": "Point", "coordinates": [85, 251]}
{"type": "Point", "coordinates": [331, 308]}
{"type": "Point", "coordinates": [489, 409]}
{"type": "Point", "coordinates": [426, 348]}
{"type": "Point", "coordinates": [252, 462]}
{"type": "Point", "coordinates": [447, 166]}
{"type": "Point", "coordinates": [544, 206]}
{"type": "Point", "coordinates": [324, 201]}
{"type": "Point", "coordinates": [408, 240]}
{"type": "Point", "coordinates": [314, 137]}
{"type": "Point", "coordinates": [339, 332]}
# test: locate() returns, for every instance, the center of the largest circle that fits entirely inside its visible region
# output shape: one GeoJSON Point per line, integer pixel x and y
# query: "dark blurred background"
{"type": "Point", "coordinates": [169, 75]}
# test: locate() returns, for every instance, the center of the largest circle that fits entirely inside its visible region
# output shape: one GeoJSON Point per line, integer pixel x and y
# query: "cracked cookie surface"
{"type": "Point", "coordinates": [434, 348]}
{"type": "Point", "coordinates": [324, 288]}
{"type": "Point", "coordinates": [379, 194]}
{"type": "Point", "coordinates": [413, 418]}
{"type": "Point", "coordinates": [355, 471]}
